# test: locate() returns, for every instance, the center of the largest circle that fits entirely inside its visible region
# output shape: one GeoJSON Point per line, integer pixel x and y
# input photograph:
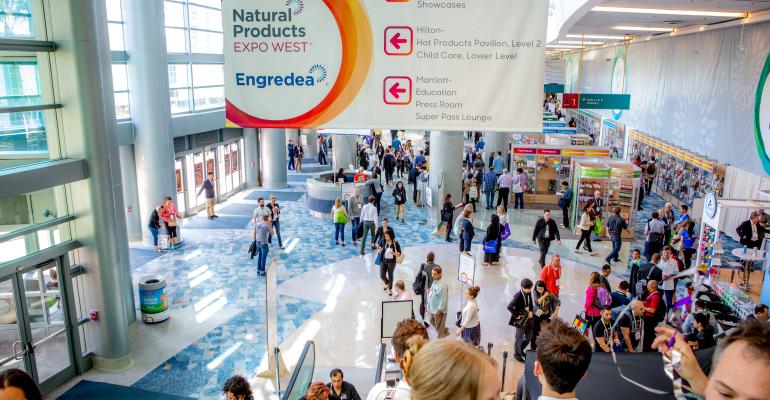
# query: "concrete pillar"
{"type": "Point", "coordinates": [344, 151]}
{"type": "Point", "coordinates": [82, 67]}
{"type": "Point", "coordinates": [150, 108]}
{"type": "Point", "coordinates": [293, 135]}
{"type": "Point", "coordinates": [130, 194]}
{"type": "Point", "coordinates": [251, 156]}
{"type": "Point", "coordinates": [311, 137]}
{"type": "Point", "coordinates": [272, 146]}
{"type": "Point", "coordinates": [496, 141]}
{"type": "Point", "coordinates": [446, 164]}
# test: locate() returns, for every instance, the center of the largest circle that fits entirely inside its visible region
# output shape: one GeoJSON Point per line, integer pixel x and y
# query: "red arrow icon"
{"type": "Point", "coordinates": [396, 40]}
{"type": "Point", "coordinates": [396, 91]}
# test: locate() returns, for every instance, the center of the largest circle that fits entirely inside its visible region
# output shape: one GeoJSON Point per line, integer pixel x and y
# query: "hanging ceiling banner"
{"type": "Point", "coordinates": [394, 64]}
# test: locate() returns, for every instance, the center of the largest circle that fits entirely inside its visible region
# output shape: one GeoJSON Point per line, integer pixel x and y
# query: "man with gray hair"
{"type": "Point", "coordinates": [751, 233]}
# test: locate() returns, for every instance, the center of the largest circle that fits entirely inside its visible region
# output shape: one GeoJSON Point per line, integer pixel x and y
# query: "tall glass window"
{"type": "Point", "coordinates": [16, 19]}
{"type": "Point", "coordinates": [115, 25]}
{"type": "Point", "coordinates": [120, 86]}
{"type": "Point", "coordinates": [21, 131]}
{"type": "Point", "coordinates": [193, 26]}
{"type": "Point", "coordinates": [196, 87]}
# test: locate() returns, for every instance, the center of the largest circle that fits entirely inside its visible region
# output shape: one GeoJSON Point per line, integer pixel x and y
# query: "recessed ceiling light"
{"type": "Point", "coordinates": [593, 36]}
{"type": "Point", "coordinates": [642, 29]}
{"type": "Point", "coordinates": [579, 42]}
{"type": "Point", "coordinates": [664, 11]}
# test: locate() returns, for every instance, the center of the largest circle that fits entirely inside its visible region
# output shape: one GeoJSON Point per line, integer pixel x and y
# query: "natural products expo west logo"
{"type": "Point", "coordinates": [261, 23]}
{"type": "Point", "coordinates": [762, 116]}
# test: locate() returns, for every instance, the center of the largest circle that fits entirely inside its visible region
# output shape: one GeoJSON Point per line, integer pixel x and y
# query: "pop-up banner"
{"type": "Point", "coordinates": [395, 64]}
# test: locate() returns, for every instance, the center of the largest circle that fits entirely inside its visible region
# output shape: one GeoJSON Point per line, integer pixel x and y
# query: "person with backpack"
{"type": "Point", "coordinates": [596, 298]}
{"type": "Point", "coordinates": [654, 233]}
{"type": "Point", "coordinates": [646, 272]}
{"type": "Point", "coordinates": [654, 313]}
{"type": "Point", "coordinates": [423, 281]}
{"type": "Point", "coordinates": [605, 337]}
{"type": "Point", "coordinates": [565, 201]}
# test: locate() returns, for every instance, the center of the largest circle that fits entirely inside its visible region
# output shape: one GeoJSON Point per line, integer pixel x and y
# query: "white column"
{"type": "Point", "coordinates": [272, 152]}
{"type": "Point", "coordinates": [130, 194]}
{"type": "Point", "coordinates": [343, 151]}
{"type": "Point", "coordinates": [251, 156]}
{"type": "Point", "coordinates": [446, 163]}
{"type": "Point", "coordinates": [311, 137]}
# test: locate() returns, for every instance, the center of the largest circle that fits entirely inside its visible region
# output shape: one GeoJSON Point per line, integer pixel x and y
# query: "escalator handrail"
{"type": "Point", "coordinates": [297, 367]}
{"type": "Point", "coordinates": [380, 363]}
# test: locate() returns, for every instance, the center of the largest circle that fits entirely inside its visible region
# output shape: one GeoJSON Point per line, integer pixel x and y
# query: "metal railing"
{"type": "Point", "coordinates": [300, 378]}
{"type": "Point", "coordinates": [380, 363]}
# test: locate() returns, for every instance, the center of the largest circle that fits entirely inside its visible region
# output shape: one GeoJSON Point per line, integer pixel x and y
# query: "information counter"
{"type": "Point", "coordinates": [547, 166]}
{"type": "Point", "coordinates": [322, 191]}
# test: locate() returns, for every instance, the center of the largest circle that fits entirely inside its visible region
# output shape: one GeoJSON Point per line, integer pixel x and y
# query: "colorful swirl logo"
{"type": "Point", "coordinates": [318, 72]}
{"type": "Point", "coordinates": [762, 116]}
{"type": "Point", "coordinates": [296, 6]}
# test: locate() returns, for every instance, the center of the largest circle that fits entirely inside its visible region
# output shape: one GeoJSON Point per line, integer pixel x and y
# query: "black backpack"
{"type": "Point", "coordinates": [419, 281]}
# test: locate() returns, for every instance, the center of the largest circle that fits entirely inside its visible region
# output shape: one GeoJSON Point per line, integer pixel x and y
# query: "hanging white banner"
{"type": "Point", "coordinates": [394, 64]}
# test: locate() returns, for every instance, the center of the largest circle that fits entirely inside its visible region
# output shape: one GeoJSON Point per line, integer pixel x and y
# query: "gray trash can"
{"type": "Point", "coordinates": [152, 298]}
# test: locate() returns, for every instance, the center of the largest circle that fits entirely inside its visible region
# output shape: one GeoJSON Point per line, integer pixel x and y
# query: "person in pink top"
{"type": "Point", "coordinates": [401, 293]}
{"type": "Point", "coordinates": [593, 313]}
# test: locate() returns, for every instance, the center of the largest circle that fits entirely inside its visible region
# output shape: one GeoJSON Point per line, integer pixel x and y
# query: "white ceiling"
{"type": "Point", "coordinates": [594, 22]}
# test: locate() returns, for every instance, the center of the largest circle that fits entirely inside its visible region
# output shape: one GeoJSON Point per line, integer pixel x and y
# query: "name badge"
{"type": "Point", "coordinates": [637, 335]}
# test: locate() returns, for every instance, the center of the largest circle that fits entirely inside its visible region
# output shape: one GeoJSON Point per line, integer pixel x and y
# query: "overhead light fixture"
{"type": "Point", "coordinates": [593, 36]}
{"type": "Point", "coordinates": [663, 11]}
{"type": "Point", "coordinates": [566, 46]}
{"type": "Point", "coordinates": [642, 29]}
{"type": "Point", "coordinates": [579, 42]}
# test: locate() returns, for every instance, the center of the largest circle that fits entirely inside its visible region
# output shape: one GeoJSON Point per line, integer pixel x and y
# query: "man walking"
{"type": "Point", "coordinates": [275, 213]}
{"type": "Point", "coordinates": [653, 236]}
{"type": "Point", "coordinates": [291, 149]}
{"type": "Point", "coordinates": [498, 164]}
{"type": "Point", "coordinates": [208, 186]}
{"type": "Point", "coordinates": [260, 212]}
{"type": "Point", "coordinates": [565, 201]}
{"type": "Point", "coordinates": [545, 231]}
{"type": "Point", "coordinates": [504, 183]}
{"type": "Point", "coordinates": [522, 318]}
{"type": "Point", "coordinates": [262, 232]}
{"type": "Point", "coordinates": [322, 150]}
{"type": "Point", "coordinates": [389, 164]}
{"type": "Point", "coordinates": [488, 187]}
{"type": "Point", "coordinates": [354, 210]}
{"type": "Point", "coordinates": [437, 303]}
{"type": "Point", "coordinates": [369, 219]}
{"type": "Point", "coordinates": [551, 274]}
{"type": "Point", "coordinates": [615, 226]}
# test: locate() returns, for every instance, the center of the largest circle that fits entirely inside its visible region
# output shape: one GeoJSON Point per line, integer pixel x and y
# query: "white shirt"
{"type": "Point", "coordinates": [369, 213]}
{"type": "Point", "coordinates": [380, 391]}
{"type": "Point", "coordinates": [259, 212]}
{"type": "Point", "coordinates": [754, 235]}
{"type": "Point", "coordinates": [669, 268]}
{"type": "Point", "coordinates": [470, 315]}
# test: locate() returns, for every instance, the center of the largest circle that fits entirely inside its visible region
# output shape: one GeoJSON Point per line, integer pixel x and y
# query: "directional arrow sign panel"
{"type": "Point", "coordinates": [454, 65]}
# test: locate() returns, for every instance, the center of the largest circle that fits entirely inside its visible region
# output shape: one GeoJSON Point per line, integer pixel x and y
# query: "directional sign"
{"type": "Point", "coordinates": [454, 65]}
{"type": "Point", "coordinates": [553, 88]}
{"type": "Point", "coordinates": [597, 101]}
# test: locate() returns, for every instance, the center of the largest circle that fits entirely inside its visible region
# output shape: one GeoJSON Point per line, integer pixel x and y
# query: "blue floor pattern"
{"type": "Point", "coordinates": [213, 260]}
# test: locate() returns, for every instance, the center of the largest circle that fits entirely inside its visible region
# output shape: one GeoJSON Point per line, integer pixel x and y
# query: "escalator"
{"type": "Point", "coordinates": [302, 376]}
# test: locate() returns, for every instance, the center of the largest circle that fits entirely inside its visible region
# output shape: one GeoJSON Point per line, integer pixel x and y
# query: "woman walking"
{"type": "Point", "coordinates": [171, 217]}
{"type": "Point", "coordinates": [399, 195]}
{"type": "Point", "coordinates": [593, 313]}
{"type": "Point", "coordinates": [422, 183]}
{"type": "Point", "coordinates": [467, 233]}
{"type": "Point", "coordinates": [470, 327]}
{"type": "Point", "coordinates": [586, 226]}
{"type": "Point", "coordinates": [340, 217]}
{"type": "Point", "coordinates": [154, 226]}
{"type": "Point", "coordinates": [390, 250]}
{"type": "Point", "coordinates": [548, 304]}
{"type": "Point", "coordinates": [493, 234]}
{"type": "Point", "coordinates": [687, 234]}
{"type": "Point", "coordinates": [447, 216]}
{"type": "Point", "coordinates": [300, 153]}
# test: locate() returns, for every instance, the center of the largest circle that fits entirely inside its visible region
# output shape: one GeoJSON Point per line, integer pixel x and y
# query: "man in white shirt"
{"type": "Point", "coordinates": [261, 211]}
{"type": "Point", "coordinates": [563, 355]}
{"type": "Point", "coordinates": [369, 221]}
{"type": "Point", "coordinates": [670, 267]}
{"type": "Point", "coordinates": [400, 391]}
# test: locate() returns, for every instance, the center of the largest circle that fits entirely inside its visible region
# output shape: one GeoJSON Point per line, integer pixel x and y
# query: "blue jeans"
{"type": "Point", "coordinates": [154, 232]}
{"type": "Point", "coordinates": [669, 295]}
{"type": "Point", "coordinates": [490, 199]}
{"type": "Point", "coordinates": [354, 222]}
{"type": "Point", "coordinates": [518, 200]}
{"type": "Point", "coordinates": [277, 226]}
{"type": "Point", "coordinates": [291, 162]}
{"type": "Point", "coordinates": [616, 243]}
{"type": "Point", "coordinates": [339, 232]}
{"type": "Point", "coordinates": [262, 249]}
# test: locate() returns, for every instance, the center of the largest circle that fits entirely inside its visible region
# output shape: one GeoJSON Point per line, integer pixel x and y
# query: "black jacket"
{"type": "Point", "coordinates": [493, 233]}
{"type": "Point", "coordinates": [347, 392]}
{"type": "Point", "coordinates": [744, 232]}
{"type": "Point", "coordinates": [447, 212]}
{"type": "Point", "coordinates": [399, 194]}
{"type": "Point", "coordinates": [540, 229]}
{"type": "Point", "coordinates": [379, 236]}
{"type": "Point", "coordinates": [518, 305]}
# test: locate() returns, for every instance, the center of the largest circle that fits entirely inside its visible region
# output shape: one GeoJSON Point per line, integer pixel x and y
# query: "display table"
{"type": "Point", "coordinates": [322, 191]}
{"type": "Point", "coordinates": [748, 258]}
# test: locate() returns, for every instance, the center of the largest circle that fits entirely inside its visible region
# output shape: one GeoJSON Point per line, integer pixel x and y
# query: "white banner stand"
{"type": "Point", "coordinates": [271, 308]}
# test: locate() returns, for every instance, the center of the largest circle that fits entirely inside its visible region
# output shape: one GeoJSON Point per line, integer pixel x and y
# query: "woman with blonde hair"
{"type": "Point", "coordinates": [340, 217]}
{"type": "Point", "coordinates": [451, 369]}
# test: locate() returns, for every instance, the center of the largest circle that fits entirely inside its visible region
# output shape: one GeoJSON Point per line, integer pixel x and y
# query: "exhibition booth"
{"type": "Point", "coordinates": [613, 137]}
{"type": "Point", "coordinates": [681, 176]}
{"type": "Point", "coordinates": [324, 188]}
{"type": "Point", "coordinates": [587, 123]}
{"type": "Point", "coordinates": [618, 181]}
{"type": "Point", "coordinates": [546, 166]}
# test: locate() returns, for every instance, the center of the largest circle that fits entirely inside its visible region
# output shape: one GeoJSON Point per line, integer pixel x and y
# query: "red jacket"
{"type": "Point", "coordinates": [591, 309]}
{"type": "Point", "coordinates": [550, 275]}
{"type": "Point", "coordinates": [651, 301]}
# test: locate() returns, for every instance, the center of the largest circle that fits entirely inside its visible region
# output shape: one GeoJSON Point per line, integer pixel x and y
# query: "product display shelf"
{"type": "Point", "coordinates": [587, 123]}
{"type": "Point", "coordinates": [623, 190]}
{"type": "Point", "coordinates": [613, 137]}
{"type": "Point", "coordinates": [588, 176]}
{"type": "Point", "coordinates": [681, 176]}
